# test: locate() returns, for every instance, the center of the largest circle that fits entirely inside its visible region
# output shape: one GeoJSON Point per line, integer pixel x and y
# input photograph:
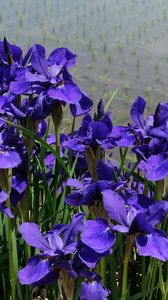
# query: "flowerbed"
{"type": "Point", "coordinates": [75, 222]}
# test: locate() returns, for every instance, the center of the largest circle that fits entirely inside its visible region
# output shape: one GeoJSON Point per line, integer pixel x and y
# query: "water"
{"type": "Point", "coordinates": [120, 44]}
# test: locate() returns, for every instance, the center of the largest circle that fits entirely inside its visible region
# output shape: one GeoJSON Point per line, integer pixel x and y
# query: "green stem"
{"type": "Point", "coordinates": [6, 180]}
{"type": "Point", "coordinates": [57, 135]}
{"type": "Point", "coordinates": [159, 189]}
{"type": "Point", "coordinates": [154, 272]}
{"type": "Point", "coordinates": [57, 147]}
{"type": "Point", "coordinates": [123, 156]}
{"type": "Point", "coordinates": [127, 252]}
{"type": "Point", "coordinates": [103, 270]}
{"type": "Point", "coordinates": [73, 128]}
{"type": "Point", "coordinates": [11, 266]}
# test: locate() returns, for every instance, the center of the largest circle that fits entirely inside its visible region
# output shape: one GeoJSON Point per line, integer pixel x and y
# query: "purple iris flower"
{"type": "Point", "coordinates": [153, 159]}
{"type": "Point", "coordinates": [154, 125]}
{"type": "Point", "coordinates": [149, 240]}
{"type": "Point", "coordinates": [51, 77]}
{"type": "Point", "coordinates": [92, 132]}
{"type": "Point", "coordinates": [121, 136]}
{"type": "Point", "coordinates": [87, 191]}
{"type": "Point", "coordinates": [55, 247]}
{"type": "Point", "coordinates": [92, 285]}
{"type": "Point", "coordinates": [11, 64]}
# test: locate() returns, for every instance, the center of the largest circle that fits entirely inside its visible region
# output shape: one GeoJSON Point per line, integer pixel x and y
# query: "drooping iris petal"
{"type": "Point", "coordinates": [75, 145]}
{"type": "Point", "coordinates": [140, 224]}
{"type": "Point", "coordinates": [9, 158]}
{"type": "Point", "coordinates": [32, 236]}
{"type": "Point", "coordinates": [19, 86]}
{"type": "Point", "coordinates": [155, 245]}
{"type": "Point", "coordinates": [93, 290]}
{"type": "Point", "coordinates": [156, 167]}
{"type": "Point", "coordinates": [68, 92]}
{"type": "Point", "coordinates": [115, 206]}
{"type": "Point", "coordinates": [75, 199]}
{"type": "Point", "coordinates": [38, 60]}
{"type": "Point", "coordinates": [91, 257]}
{"type": "Point", "coordinates": [97, 235]}
{"type": "Point", "coordinates": [82, 107]}
{"type": "Point", "coordinates": [37, 272]}
{"type": "Point", "coordinates": [137, 111]}
{"type": "Point", "coordinates": [122, 137]}
{"type": "Point", "coordinates": [104, 171]}
{"type": "Point", "coordinates": [156, 212]}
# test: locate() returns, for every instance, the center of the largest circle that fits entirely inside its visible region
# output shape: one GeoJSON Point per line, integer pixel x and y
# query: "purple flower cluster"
{"type": "Point", "coordinates": [105, 199]}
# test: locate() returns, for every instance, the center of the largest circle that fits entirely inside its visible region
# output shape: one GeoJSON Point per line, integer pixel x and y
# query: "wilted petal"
{"type": "Point", "coordinates": [32, 236]}
{"type": "Point", "coordinates": [154, 245]}
{"type": "Point", "coordinates": [97, 235]}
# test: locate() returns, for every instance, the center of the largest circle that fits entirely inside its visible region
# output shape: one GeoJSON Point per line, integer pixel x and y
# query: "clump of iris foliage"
{"type": "Point", "coordinates": [75, 222]}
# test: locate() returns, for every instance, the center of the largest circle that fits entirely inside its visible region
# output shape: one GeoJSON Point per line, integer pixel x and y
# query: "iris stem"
{"type": "Point", "coordinates": [6, 181]}
{"type": "Point", "coordinates": [154, 272]}
{"type": "Point", "coordinates": [11, 266]}
{"type": "Point", "coordinates": [73, 127]}
{"type": "Point", "coordinates": [123, 156]}
{"type": "Point", "coordinates": [57, 148]}
{"type": "Point", "coordinates": [127, 252]}
{"type": "Point", "coordinates": [103, 270]}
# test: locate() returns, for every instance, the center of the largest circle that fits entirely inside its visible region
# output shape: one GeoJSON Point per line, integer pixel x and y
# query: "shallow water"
{"type": "Point", "coordinates": [120, 44]}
